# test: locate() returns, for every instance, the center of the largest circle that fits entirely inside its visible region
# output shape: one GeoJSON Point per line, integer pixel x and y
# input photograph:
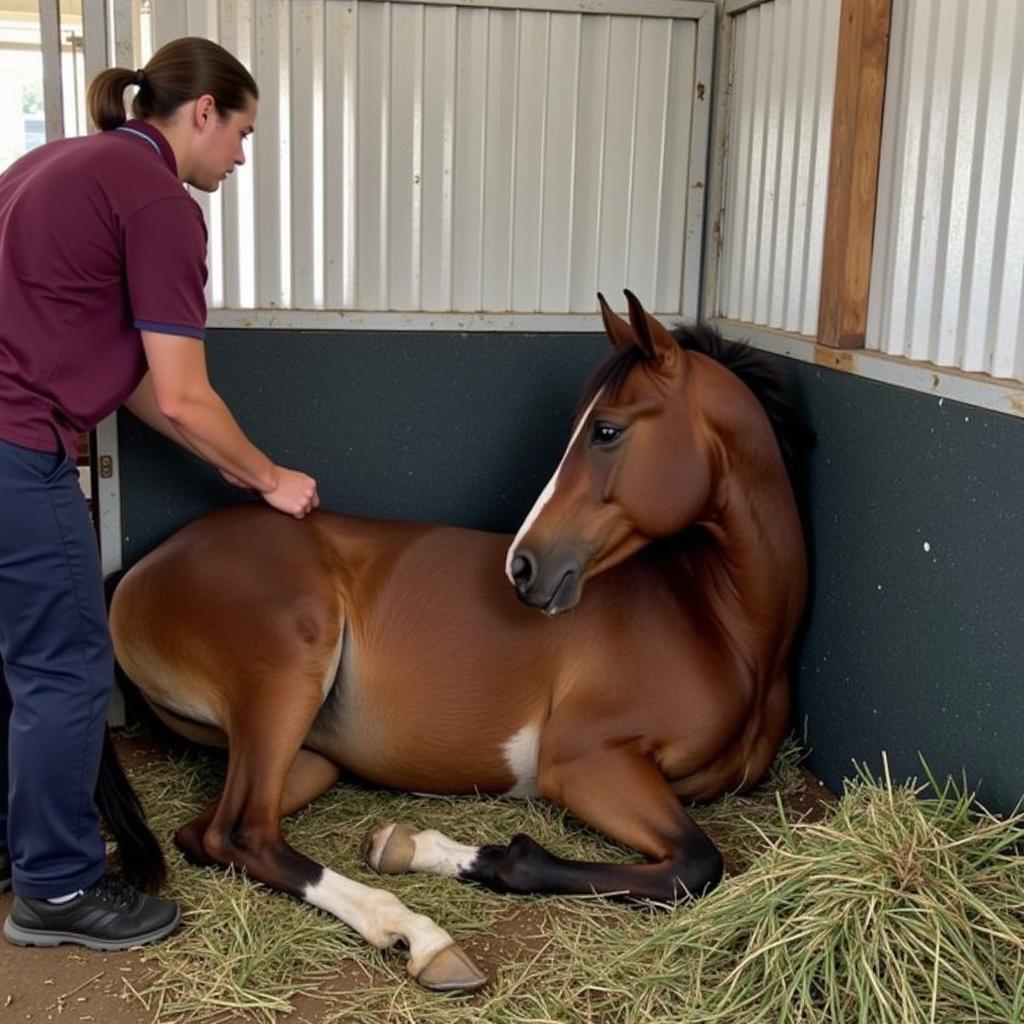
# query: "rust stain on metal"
{"type": "Point", "coordinates": [700, 90]}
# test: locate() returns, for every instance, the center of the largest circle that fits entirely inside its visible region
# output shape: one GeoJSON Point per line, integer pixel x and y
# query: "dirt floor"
{"type": "Point", "coordinates": [71, 984]}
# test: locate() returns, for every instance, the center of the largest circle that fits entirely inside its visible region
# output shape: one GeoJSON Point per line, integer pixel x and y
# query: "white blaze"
{"type": "Point", "coordinates": [549, 489]}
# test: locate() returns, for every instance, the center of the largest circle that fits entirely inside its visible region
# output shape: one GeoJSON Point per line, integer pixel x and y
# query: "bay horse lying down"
{"type": "Point", "coordinates": [398, 652]}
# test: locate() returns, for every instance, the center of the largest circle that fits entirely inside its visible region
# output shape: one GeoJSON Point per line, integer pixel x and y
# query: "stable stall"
{"type": "Point", "coordinates": [403, 287]}
{"type": "Point", "coordinates": [403, 302]}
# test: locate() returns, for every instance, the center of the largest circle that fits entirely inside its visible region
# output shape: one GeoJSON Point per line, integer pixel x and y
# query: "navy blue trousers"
{"type": "Point", "coordinates": [58, 670]}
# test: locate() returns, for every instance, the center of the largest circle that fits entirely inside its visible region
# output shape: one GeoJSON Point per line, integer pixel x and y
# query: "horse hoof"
{"type": "Point", "coordinates": [451, 970]}
{"type": "Point", "coordinates": [390, 849]}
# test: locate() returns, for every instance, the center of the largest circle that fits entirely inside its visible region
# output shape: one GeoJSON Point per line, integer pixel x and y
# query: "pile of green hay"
{"type": "Point", "coordinates": [897, 907]}
{"type": "Point", "coordinates": [907, 905]}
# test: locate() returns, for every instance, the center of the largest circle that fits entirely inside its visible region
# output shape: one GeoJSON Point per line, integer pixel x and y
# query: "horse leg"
{"type": "Point", "coordinates": [245, 830]}
{"type": "Point", "coordinates": [309, 776]}
{"type": "Point", "coordinates": [619, 792]}
{"type": "Point", "coordinates": [189, 838]}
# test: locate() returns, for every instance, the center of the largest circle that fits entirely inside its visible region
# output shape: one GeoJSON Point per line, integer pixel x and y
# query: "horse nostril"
{"type": "Point", "coordinates": [523, 569]}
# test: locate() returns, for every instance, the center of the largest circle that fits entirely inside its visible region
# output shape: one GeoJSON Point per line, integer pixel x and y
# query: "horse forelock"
{"type": "Point", "coordinates": [609, 377]}
{"type": "Point", "coordinates": [752, 367]}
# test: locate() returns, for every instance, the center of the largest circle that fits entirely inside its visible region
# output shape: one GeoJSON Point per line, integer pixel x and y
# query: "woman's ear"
{"type": "Point", "coordinates": [204, 110]}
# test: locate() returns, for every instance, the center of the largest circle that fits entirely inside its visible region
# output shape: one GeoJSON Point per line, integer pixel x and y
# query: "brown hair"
{"type": "Point", "coordinates": [179, 71]}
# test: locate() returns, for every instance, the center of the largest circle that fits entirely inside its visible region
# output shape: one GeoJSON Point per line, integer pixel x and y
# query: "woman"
{"type": "Point", "coordinates": [102, 268]}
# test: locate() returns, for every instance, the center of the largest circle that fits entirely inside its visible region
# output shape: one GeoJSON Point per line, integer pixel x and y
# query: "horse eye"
{"type": "Point", "coordinates": [604, 434]}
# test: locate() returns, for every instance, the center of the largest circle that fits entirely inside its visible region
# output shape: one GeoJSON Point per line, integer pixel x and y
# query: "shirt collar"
{"type": "Point", "coordinates": [151, 136]}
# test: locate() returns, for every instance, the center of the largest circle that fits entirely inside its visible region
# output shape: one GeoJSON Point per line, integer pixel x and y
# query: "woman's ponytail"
{"type": "Point", "coordinates": [179, 71]}
{"type": "Point", "coordinates": [105, 98]}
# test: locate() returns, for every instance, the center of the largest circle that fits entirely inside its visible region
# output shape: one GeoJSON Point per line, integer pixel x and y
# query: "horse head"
{"type": "Point", "coordinates": [644, 461]}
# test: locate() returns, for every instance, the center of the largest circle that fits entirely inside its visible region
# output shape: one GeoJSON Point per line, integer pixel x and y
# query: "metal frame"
{"type": "Point", "coordinates": [94, 29]}
{"type": "Point", "coordinates": [702, 13]}
{"type": "Point", "coordinates": [356, 320]}
{"type": "Point", "coordinates": [106, 484]}
{"type": "Point", "coordinates": [700, 161]}
{"type": "Point", "coordinates": [733, 7]}
{"type": "Point", "coordinates": [105, 478]}
{"type": "Point", "coordinates": [53, 86]}
{"type": "Point", "coordinates": [720, 109]}
{"type": "Point", "coordinates": [695, 9]}
{"type": "Point", "coordinates": [942, 382]}
{"type": "Point", "coordinates": [111, 35]}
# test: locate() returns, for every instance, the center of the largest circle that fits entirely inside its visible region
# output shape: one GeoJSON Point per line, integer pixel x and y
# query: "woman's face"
{"type": "Point", "coordinates": [219, 147]}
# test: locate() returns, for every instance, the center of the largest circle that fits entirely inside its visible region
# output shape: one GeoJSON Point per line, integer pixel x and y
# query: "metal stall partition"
{"type": "Point", "coordinates": [480, 156]}
{"type": "Point", "coordinates": [774, 99]}
{"type": "Point", "coordinates": [404, 274]}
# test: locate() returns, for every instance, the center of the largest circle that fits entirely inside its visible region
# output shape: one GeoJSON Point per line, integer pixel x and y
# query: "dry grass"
{"type": "Point", "coordinates": [897, 908]}
{"type": "Point", "coordinates": [906, 906]}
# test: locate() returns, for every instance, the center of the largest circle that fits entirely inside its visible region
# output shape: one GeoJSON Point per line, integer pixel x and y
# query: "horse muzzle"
{"type": "Point", "coordinates": [554, 584]}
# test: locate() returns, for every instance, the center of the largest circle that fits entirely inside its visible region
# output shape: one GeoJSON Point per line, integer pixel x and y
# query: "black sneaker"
{"type": "Point", "coordinates": [109, 915]}
{"type": "Point", "coordinates": [5, 870]}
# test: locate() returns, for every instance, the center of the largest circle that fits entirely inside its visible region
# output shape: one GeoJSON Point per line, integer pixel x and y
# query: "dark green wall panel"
{"type": "Point", "coordinates": [911, 650]}
{"type": "Point", "coordinates": [458, 429]}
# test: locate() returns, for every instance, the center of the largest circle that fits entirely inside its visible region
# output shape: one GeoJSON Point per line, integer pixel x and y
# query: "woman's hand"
{"type": "Point", "coordinates": [293, 492]}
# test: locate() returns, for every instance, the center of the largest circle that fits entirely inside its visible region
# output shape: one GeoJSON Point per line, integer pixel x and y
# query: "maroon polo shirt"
{"type": "Point", "coordinates": [98, 239]}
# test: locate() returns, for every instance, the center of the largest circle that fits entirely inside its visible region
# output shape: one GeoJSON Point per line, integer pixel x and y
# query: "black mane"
{"type": "Point", "coordinates": [761, 376]}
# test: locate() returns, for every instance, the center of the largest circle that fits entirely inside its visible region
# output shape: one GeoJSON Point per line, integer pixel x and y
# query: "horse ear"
{"type": "Point", "coordinates": [618, 331]}
{"type": "Point", "coordinates": [656, 341]}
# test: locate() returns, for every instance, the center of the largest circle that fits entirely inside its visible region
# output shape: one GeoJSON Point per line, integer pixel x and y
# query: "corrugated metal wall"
{"type": "Point", "coordinates": [420, 156]}
{"type": "Point", "coordinates": [948, 270]}
{"type": "Point", "coordinates": [782, 81]}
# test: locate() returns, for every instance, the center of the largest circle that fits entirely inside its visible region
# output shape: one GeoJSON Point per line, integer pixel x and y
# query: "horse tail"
{"type": "Point", "coordinates": [142, 860]}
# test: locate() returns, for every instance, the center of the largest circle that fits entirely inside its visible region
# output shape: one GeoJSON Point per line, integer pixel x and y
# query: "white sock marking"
{"type": "Point", "coordinates": [379, 917]}
{"type": "Point", "coordinates": [436, 854]}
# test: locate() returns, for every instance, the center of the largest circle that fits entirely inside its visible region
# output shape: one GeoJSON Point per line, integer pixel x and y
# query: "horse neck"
{"type": "Point", "coordinates": [754, 568]}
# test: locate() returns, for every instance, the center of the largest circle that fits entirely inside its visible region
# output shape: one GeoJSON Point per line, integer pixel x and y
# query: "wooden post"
{"type": "Point", "coordinates": [853, 171]}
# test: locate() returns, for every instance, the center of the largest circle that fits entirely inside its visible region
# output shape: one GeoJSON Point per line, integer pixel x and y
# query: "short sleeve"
{"type": "Point", "coordinates": [165, 256]}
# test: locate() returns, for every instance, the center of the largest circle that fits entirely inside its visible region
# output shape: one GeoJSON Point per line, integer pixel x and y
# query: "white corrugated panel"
{"type": "Point", "coordinates": [948, 268]}
{"type": "Point", "coordinates": [461, 157]}
{"type": "Point", "coordinates": [782, 77]}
